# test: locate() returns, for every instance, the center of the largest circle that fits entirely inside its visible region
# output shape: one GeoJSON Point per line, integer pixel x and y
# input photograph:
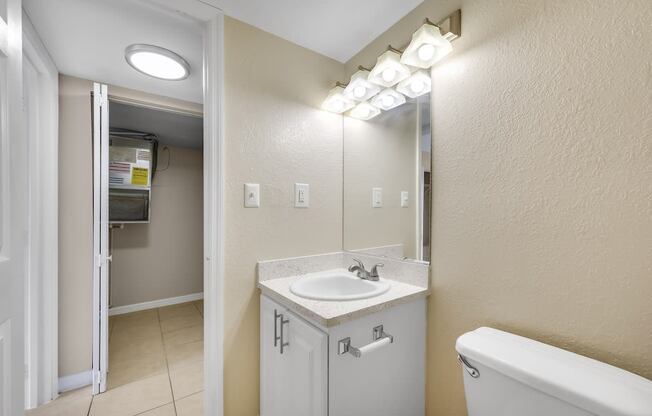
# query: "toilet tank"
{"type": "Point", "coordinates": [518, 376]}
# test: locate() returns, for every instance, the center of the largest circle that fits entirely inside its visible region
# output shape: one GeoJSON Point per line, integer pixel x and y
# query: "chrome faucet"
{"type": "Point", "coordinates": [362, 273]}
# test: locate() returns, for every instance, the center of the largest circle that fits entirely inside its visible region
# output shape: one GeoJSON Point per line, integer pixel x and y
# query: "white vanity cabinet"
{"type": "Point", "coordinates": [313, 377]}
{"type": "Point", "coordinates": [293, 364]}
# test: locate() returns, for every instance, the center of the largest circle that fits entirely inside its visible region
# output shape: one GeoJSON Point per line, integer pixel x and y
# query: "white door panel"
{"type": "Point", "coordinates": [13, 206]}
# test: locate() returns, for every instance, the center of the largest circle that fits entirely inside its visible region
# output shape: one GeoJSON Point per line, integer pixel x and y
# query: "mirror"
{"type": "Point", "coordinates": [386, 199]}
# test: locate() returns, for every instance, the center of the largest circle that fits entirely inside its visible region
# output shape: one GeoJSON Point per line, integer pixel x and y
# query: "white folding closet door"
{"type": "Point", "coordinates": [101, 256]}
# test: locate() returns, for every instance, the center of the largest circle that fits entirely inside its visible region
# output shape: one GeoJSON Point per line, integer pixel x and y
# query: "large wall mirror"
{"type": "Point", "coordinates": [387, 182]}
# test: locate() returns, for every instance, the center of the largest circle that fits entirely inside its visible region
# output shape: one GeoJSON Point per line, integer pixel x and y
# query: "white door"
{"type": "Point", "coordinates": [13, 208]}
{"type": "Point", "coordinates": [101, 256]}
{"type": "Point", "coordinates": [294, 364]}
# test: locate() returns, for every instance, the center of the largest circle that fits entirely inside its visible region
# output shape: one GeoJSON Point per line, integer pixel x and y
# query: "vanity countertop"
{"type": "Point", "coordinates": [332, 313]}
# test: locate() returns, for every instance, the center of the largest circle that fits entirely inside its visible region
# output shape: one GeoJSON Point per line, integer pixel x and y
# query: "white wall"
{"type": "Point", "coordinates": [163, 259]}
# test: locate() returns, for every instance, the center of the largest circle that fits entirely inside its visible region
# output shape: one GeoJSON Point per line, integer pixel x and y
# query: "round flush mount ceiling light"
{"type": "Point", "coordinates": [157, 62]}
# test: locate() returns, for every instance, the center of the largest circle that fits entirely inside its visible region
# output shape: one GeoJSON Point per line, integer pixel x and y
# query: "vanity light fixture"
{"type": "Point", "coordinates": [426, 47]}
{"type": "Point", "coordinates": [157, 62]}
{"type": "Point", "coordinates": [389, 70]}
{"type": "Point", "coordinates": [417, 84]}
{"type": "Point", "coordinates": [388, 99]}
{"type": "Point", "coordinates": [336, 101]}
{"type": "Point", "coordinates": [359, 88]}
{"type": "Point", "coordinates": [364, 111]}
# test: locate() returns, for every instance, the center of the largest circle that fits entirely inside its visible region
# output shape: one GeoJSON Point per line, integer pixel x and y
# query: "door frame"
{"type": "Point", "coordinates": [41, 289]}
{"type": "Point", "coordinates": [210, 16]}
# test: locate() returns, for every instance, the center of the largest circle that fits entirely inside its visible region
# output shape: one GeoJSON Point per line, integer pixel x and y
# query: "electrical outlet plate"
{"type": "Point", "coordinates": [251, 195]}
{"type": "Point", "coordinates": [301, 195]}
{"type": "Point", "coordinates": [376, 197]}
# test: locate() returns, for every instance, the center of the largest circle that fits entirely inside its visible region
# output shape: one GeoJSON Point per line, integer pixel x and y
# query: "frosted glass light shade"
{"type": "Point", "coordinates": [426, 47]}
{"type": "Point", "coordinates": [388, 99]}
{"type": "Point", "coordinates": [157, 62]}
{"type": "Point", "coordinates": [389, 70]}
{"type": "Point", "coordinates": [364, 111]}
{"type": "Point", "coordinates": [336, 102]}
{"type": "Point", "coordinates": [359, 88]}
{"type": "Point", "coordinates": [417, 84]}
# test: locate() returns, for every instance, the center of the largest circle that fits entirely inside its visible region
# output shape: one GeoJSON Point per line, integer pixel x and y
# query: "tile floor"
{"type": "Point", "coordinates": [156, 362]}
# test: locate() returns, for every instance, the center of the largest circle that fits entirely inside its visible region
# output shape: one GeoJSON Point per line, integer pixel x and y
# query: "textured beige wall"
{"type": "Point", "coordinates": [542, 203]}
{"type": "Point", "coordinates": [381, 152]}
{"type": "Point", "coordinates": [76, 216]}
{"type": "Point", "coordinates": [276, 135]}
{"type": "Point", "coordinates": [75, 225]}
{"type": "Point", "coordinates": [163, 259]}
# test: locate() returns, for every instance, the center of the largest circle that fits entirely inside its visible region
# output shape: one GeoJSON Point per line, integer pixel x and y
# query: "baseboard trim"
{"type": "Point", "coordinates": [75, 381]}
{"type": "Point", "coordinates": [119, 310]}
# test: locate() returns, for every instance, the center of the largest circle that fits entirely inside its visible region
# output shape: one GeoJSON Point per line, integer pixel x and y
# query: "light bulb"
{"type": "Point", "coordinates": [417, 86]}
{"type": "Point", "coordinates": [387, 101]}
{"type": "Point", "coordinates": [359, 91]}
{"type": "Point", "coordinates": [338, 105]}
{"type": "Point", "coordinates": [389, 74]}
{"type": "Point", "coordinates": [426, 52]}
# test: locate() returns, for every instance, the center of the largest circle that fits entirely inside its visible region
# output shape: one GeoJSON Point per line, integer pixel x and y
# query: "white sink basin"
{"type": "Point", "coordinates": [338, 284]}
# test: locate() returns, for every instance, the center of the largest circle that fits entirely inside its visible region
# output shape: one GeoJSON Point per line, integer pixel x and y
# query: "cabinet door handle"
{"type": "Point", "coordinates": [276, 337]}
{"type": "Point", "coordinates": [283, 322]}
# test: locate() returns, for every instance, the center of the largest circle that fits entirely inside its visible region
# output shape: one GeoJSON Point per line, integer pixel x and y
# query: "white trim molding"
{"type": "Point", "coordinates": [121, 310]}
{"type": "Point", "coordinates": [75, 381]}
{"type": "Point", "coordinates": [40, 104]}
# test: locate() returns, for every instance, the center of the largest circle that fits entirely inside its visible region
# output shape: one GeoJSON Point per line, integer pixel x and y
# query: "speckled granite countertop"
{"type": "Point", "coordinates": [332, 313]}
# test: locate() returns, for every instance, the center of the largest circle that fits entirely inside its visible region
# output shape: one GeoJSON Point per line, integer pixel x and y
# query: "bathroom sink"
{"type": "Point", "coordinates": [338, 284]}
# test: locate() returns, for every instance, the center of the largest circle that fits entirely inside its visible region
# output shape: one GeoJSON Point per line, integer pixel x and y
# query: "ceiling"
{"type": "Point", "coordinates": [336, 28]}
{"type": "Point", "coordinates": [87, 38]}
{"type": "Point", "coordinates": [172, 129]}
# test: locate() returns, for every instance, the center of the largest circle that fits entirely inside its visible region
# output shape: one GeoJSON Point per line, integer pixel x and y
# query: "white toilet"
{"type": "Point", "coordinates": [508, 375]}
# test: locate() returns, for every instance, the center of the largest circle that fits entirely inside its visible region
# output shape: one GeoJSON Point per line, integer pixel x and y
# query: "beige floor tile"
{"type": "Point", "coordinates": [133, 398]}
{"type": "Point", "coordinates": [174, 311]}
{"type": "Point", "coordinates": [73, 403]}
{"type": "Point", "coordinates": [187, 379]}
{"type": "Point", "coordinates": [149, 316]}
{"type": "Point", "coordinates": [184, 354]}
{"type": "Point", "coordinates": [136, 368]}
{"type": "Point", "coordinates": [127, 350]}
{"type": "Point", "coordinates": [184, 335]}
{"type": "Point", "coordinates": [199, 304]}
{"type": "Point", "coordinates": [167, 410]}
{"type": "Point", "coordinates": [180, 322]}
{"type": "Point", "coordinates": [131, 333]}
{"type": "Point", "coordinates": [191, 405]}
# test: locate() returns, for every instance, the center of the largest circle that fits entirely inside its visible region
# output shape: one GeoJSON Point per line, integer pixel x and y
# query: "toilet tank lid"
{"type": "Point", "coordinates": [591, 385]}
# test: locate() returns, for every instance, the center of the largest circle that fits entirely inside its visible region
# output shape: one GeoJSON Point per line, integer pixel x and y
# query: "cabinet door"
{"type": "Point", "coordinates": [292, 383]}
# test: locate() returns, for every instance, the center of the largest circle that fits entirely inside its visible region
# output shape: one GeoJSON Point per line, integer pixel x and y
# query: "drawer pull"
{"type": "Point", "coordinates": [381, 339]}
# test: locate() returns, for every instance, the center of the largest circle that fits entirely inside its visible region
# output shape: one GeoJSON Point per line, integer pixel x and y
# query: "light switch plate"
{"type": "Point", "coordinates": [251, 195]}
{"type": "Point", "coordinates": [404, 199]}
{"type": "Point", "coordinates": [376, 197]}
{"type": "Point", "coordinates": [301, 195]}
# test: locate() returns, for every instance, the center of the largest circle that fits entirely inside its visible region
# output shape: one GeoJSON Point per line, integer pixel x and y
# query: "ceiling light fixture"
{"type": "Point", "coordinates": [388, 99]}
{"type": "Point", "coordinates": [359, 88]}
{"type": "Point", "coordinates": [426, 47]}
{"type": "Point", "coordinates": [364, 111]}
{"type": "Point", "coordinates": [157, 62]}
{"type": "Point", "coordinates": [389, 70]}
{"type": "Point", "coordinates": [336, 101]}
{"type": "Point", "coordinates": [417, 84]}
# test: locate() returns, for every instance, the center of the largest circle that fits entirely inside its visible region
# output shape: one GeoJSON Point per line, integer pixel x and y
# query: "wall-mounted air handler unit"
{"type": "Point", "coordinates": [132, 163]}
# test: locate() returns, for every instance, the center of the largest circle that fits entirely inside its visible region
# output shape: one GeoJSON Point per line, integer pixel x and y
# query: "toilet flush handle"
{"type": "Point", "coordinates": [473, 372]}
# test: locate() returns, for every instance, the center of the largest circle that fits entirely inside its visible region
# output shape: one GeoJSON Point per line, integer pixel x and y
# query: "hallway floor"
{"type": "Point", "coordinates": [156, 366]}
